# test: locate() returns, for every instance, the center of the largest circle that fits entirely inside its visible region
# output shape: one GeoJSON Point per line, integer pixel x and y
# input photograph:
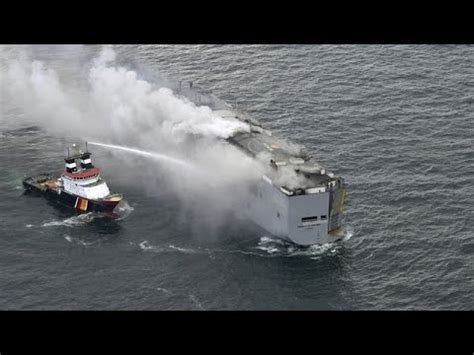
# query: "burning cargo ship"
{"type": "Point", "coordinates": [297, 199]}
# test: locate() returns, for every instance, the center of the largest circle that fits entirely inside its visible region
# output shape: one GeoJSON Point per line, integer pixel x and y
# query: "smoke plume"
{"type": "Point", "coordinates": [92, 98]}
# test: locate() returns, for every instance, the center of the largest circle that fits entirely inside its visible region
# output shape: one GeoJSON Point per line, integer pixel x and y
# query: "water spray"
{"type": "Point", "coordinates": [152, 155]}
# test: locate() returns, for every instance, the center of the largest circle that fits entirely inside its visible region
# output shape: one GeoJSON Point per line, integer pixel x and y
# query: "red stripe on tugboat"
{"type": "Point", "coordinates": [83, 174]}
{"type": "Point", "coordinates": [79, 186]}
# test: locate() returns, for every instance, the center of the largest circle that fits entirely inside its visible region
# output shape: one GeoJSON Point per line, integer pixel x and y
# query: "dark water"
{"type": "Point", "coordinates": [395, 121]}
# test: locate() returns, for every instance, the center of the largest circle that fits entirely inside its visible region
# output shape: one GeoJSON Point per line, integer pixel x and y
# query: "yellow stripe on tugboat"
{"type": "Point", "coordinates": [81, 204]}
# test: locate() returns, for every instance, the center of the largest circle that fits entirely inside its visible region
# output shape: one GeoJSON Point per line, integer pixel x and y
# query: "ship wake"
{"type": "Point", "coordinates": [267, 247]}
{"type": "Point", "coordinates": [278, 247]}
{"type": "Point", "coordinates": [123, 210]}
{"type": "Point", "coordinates": [74, 221]}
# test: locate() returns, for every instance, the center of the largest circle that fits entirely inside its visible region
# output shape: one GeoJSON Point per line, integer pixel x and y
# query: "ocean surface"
{"type": "Point", "coordinates": [395, 121]}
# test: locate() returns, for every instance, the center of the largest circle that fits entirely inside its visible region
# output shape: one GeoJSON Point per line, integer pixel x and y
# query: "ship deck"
{"type": "Point", "coordinates": [263, 145]}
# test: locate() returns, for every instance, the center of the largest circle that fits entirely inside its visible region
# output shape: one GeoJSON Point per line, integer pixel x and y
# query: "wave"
{"type": "Point", "coordinates": [123, 210]}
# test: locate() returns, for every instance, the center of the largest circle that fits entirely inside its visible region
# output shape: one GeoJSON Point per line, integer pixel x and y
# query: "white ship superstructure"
{"type": "Point", "coordinates": [81, 178]}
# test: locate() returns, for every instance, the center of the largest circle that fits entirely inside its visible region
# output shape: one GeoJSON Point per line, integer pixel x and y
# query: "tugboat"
{"type": "Point", "coordinates": [80, 186]}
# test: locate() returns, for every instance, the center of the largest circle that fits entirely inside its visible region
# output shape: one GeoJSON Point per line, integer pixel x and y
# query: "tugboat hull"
{"type": "Point", "coordinates": [41, 185]}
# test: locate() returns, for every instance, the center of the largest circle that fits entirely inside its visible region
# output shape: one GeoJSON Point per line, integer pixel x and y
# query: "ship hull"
{"type": "Point", "coordinates": [67, 199]}
{"type": "Point", "coordinates": [303, 219]}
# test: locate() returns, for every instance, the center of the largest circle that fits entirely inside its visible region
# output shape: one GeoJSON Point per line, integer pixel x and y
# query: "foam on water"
{"type": "Point", "coordinates": [164, 290]}
{"type": "Point", "coordinates": [269, 249]}
{"type": "Point", "coordinates": [71, 222]}
{"type": "Point", "coordinates": [279, 247]}
{"type": "Point", "coordinates": [270, 246]}
{"type": "Point", "coordinates": [146, 246]}
{"type": "Point", "coordinates": [184, 250]}
{"type": "Point", "coordinates": [86, 244]}
{"type": "Point", "coordinates": [347, 235]}
{"type": "Point", "coordinates": [196, 302]}
{"type": "Point", "coordinates": [79, 241]}
{"type": "Point", "coordinates": [123, 210]}
{"type": "Point", "coordinates": [82, 219]}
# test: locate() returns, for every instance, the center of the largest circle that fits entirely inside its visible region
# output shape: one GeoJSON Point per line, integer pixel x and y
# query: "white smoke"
{"type": "Point", "coordinates": [116, 102]}
{"type": "Point", "coordinates": [108, 103]}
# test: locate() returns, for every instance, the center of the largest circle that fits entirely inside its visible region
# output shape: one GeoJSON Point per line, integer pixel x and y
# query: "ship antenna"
{"type": "Point", "coordinates": [68, 152]}
{"type": "Point", "coordinates": [87, 149]}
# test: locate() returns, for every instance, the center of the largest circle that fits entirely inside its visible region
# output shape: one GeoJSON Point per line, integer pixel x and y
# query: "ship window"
{"type": "Point", "coordinates": [309, 219]}
{"type": "Point", "coordinates": [323, 218]}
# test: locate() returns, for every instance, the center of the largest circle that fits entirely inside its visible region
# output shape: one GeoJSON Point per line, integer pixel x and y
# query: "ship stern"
{"type": "Point", "coordinates": [316, 218]}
